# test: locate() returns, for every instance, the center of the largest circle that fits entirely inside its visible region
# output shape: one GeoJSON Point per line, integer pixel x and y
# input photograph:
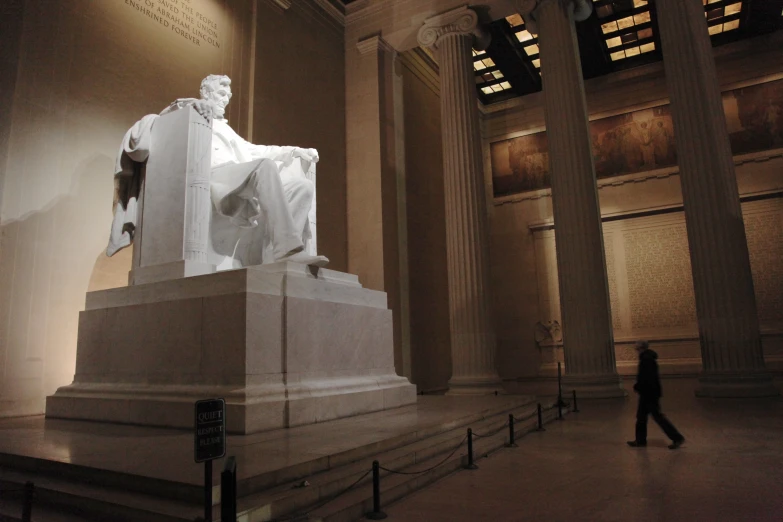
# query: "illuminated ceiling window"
{"type": "Point", "coordinates": [498, 87]}
{"type": "Point", "coordinates": [722, 15]}
{"type": "Point", "coordinates": [529, 44]}
{"type": "Point", "coordinates": [489, 78]}
{"type": "Point", "coordinates": [515, 20]}
{"type": "Point", "coordinates": [626, 26]}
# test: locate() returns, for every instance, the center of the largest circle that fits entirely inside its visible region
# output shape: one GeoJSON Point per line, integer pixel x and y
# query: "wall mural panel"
{"type": "Point", "coordinates": [641, 140]}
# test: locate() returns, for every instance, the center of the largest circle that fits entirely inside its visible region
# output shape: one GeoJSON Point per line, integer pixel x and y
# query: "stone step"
{"type": "Point", "coordinates": [356, 503]}
{"type": "Point", "coordinates": [97, 502]}
{"type": "Point", "coordinates": [95, 494]}
{"type": "Point", "coordinates": [287, 500]}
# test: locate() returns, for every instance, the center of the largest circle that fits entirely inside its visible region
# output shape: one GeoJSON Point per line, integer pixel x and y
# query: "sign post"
{"type": "Point", "coordinates": [210, 442]}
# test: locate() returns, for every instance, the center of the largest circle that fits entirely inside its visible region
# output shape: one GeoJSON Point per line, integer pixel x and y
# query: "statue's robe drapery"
{"type": "Point", "coordinates": [134, 150]}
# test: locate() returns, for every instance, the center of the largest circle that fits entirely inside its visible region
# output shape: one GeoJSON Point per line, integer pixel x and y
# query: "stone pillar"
{"type": "Point", "coordinates": [732, 358]}
{"type": "Point", "coordinates": [375, 170]}
{"type": "Point", "coordinates": [453, 34]}
{"type": "Point", "coordinates": [584, 292]}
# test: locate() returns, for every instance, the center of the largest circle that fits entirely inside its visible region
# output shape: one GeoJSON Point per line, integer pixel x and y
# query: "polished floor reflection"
{"type": "Point", "coordinates": [730, 468]}
{"type": "Point", "coordinates": [168, 454]}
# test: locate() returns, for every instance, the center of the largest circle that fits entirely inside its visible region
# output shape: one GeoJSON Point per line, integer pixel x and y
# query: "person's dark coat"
{"type": "Point", "coordinates": [648, 383]}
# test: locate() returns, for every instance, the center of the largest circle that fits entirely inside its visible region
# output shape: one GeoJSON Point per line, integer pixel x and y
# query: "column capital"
{"type": "Point", "coordinates": [463, 20]}
{"type": "Point", "coordinates": [529, 11]}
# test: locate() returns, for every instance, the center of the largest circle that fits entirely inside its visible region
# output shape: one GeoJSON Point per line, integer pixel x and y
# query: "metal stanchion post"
{"type": "Point", "coordinates": [511, 436]}
{"type": "Point", "coordinates": [208, 491]}
{"type": "Point", "coordinates": [27, 507]}
{"type": "Point", "coordinates": [576, 408]}
{"type": "Point", "coordinates": [228, 491]}
{"type": "Point", "coordinates": [540, 419]}
{"type": "Point", "coordinates": [560, 400]}
{"type": "Point", "coordinates": [376, 513]}
{"type": "Point", "coordinates": [470, 465]}
{"type": "Point", "coordinates": [559, 410]}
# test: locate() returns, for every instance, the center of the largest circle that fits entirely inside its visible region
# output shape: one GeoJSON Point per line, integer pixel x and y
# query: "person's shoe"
{"type": "Point", "coordinates": [636, 444]}
{"type": "Point", "coordinates": [676, 444]}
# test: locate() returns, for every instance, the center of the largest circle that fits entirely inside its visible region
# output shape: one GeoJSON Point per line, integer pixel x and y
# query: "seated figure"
{"type": "Point", "coordinates": [260, 200]}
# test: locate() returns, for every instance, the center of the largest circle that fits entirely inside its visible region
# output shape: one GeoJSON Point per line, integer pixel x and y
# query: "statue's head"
{"type": "Point", "coordinates": [216, 88]}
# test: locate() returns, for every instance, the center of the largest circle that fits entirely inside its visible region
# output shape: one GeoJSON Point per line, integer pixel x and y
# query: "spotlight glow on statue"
{"type": "Point", "coordinates": [260, 206]}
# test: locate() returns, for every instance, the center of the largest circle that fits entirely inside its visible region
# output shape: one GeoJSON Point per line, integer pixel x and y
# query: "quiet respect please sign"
{"type": "Point", "coordinates": [210, 436]}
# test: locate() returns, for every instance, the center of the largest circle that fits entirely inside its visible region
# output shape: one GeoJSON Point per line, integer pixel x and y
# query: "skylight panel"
{"type": "Point", "coordinates": [733, 8]}
{"type": "Point", "coordinates": [641, 18]}
{"type": "Point", "coordinates": [625, 23]}
{"type": "Point", "coordinates": [515, 20]}
{"type": "Point", "coordinates": [715, 16]}
{"type": "Point", "coordinates": [531, 50]}
{"type": "Point", "coordinates": [524, 36]}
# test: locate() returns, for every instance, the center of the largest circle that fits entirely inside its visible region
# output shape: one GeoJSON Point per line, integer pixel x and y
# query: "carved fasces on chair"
{"type": "Point", "coordinates": [175, 205]}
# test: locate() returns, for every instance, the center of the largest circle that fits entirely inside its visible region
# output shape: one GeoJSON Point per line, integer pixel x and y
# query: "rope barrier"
{"type": "Point", "coordinates": [300, 516]}
{"type": "Point", "coordinates": [397, 472]}
{"type": "Point", "coordinates": [491, 434]}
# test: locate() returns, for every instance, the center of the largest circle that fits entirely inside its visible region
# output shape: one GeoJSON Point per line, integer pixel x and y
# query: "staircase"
{"type": "Point", "coordinates": [337, 490]}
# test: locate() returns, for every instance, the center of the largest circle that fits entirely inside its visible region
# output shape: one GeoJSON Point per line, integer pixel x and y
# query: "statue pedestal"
{"type": "Point", "coordinates": [284, 345]}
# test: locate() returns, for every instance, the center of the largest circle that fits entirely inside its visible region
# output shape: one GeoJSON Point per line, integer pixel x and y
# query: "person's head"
{"type": "Point", "coordinates": [216, 88]}
{"type": "Point", "coordinates": [642, 346]}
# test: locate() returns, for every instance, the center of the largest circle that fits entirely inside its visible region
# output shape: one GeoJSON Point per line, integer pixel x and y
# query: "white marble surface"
{"type": "Point", "coordinates": [285, 278]}
{"type": "Point", "coordinates": [145, 353]}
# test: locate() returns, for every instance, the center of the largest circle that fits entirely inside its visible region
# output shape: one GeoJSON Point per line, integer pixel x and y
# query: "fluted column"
{"type": "Point", "coordinates": [584, 292]}
{"type": "Point", "coordinates": [732, 358]}
{"type": "Point", "coordinates": [472, 334]}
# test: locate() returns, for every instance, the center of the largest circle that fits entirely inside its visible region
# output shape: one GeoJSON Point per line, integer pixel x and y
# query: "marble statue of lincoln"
{"type": "Point", "coordinates": [248, 191]}
{"type": "Point", "coordinates": [260, 205]}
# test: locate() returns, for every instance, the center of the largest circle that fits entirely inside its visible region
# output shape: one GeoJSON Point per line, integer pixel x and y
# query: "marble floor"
{"type": "Point", "coordinates": [167, 454]}
{"type": "Point", "coordinates": [730, 468]}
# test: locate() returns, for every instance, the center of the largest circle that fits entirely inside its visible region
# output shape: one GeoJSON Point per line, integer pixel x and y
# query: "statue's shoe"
{"type": "Point", "coordinates": [306, 259]}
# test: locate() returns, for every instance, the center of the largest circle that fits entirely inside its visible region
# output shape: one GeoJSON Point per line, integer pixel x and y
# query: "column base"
{"type": "Point", "coordinates": [607, 386]}
{"type": "Point", "coordinates": [475, 385]}
{"type": "Point", "coordinates": [727, 385]}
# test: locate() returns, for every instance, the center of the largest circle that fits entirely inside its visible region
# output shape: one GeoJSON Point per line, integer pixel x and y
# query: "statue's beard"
{"type": "Point", "coordinates": [219, 111]}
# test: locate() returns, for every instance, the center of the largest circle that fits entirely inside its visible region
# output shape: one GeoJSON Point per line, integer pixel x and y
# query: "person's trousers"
{"type": "Point", "coordinates": [652, 406]}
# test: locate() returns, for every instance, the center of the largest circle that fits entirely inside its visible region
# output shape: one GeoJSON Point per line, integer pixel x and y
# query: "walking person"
{"type": "Point", "coordinates": [648, 386]}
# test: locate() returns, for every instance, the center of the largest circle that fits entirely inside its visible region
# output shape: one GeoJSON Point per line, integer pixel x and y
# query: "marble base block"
{"type": "Point", "coordinates": [284, 344]}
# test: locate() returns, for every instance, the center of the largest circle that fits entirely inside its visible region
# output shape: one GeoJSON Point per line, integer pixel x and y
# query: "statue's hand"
{"type": "Point", "coordinates": [310, 155]}
{"type": "Point", "coordinates": [204, 108]}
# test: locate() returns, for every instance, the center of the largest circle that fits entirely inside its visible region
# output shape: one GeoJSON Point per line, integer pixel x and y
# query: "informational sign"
{"type": "Point", "coordinates": [210, 429]}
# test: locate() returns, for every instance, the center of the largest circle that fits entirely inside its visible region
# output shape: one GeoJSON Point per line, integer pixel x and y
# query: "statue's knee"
{"type": "Point", "coordinates": [305, 188]}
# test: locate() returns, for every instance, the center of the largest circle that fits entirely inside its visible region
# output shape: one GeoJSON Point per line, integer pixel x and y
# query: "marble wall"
{"type": "Point", "coordinates": [646, 247]}
{"type": "Point", "coordinates": [299, 99]}
{"type": "Point", "coordinates": [87, 70]}
{"type": "Point", "coordinates": [429, 298]}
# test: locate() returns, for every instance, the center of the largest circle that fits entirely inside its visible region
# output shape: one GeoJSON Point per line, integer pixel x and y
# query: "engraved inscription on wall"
{"type": "Point", "coordinates": [659, 277]}
{"type": "Point", "coordinates": [181, 17]}
{"type": "Point", "coordinates": [612, 277]}
{"type": "Point", "coordinates": [765, 245]}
